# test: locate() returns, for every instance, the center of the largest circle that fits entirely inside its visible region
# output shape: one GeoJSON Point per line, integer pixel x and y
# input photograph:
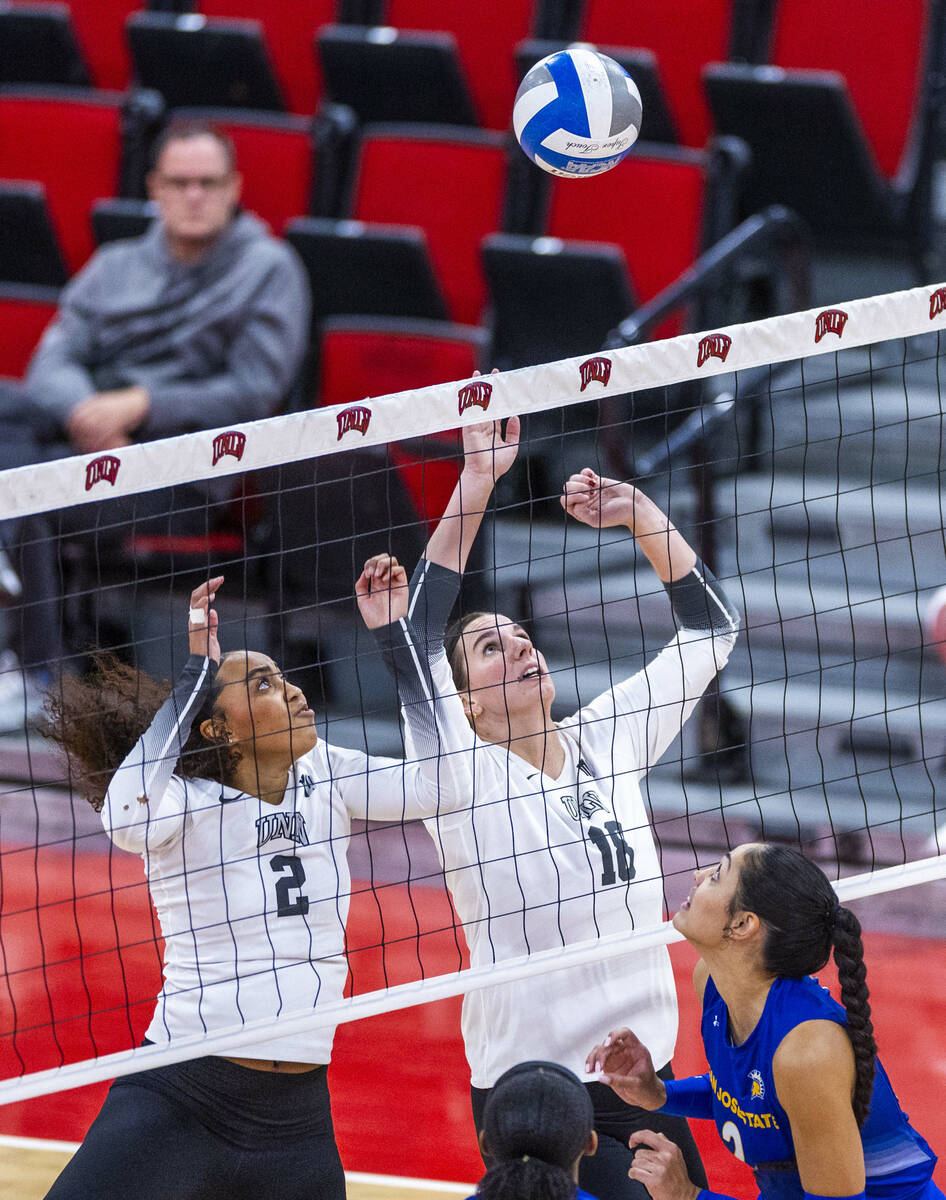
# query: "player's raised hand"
{"type": "Point", "coordinates": [203, 620]}
{"type": "Point", "coordinates": [626, 1066]}
{"type": "Point", "coordinates": [486, 452]}
{"type": "Point", "coordinates": [658, 1164]}
{"type": "Point", "coordinates": [382, 591]}
{"type": "Point", "coordinates": [600, 502]}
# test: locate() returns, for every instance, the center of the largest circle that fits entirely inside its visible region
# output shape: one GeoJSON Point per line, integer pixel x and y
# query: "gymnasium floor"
{"type": "Point", "coordinates": [399, 1081]}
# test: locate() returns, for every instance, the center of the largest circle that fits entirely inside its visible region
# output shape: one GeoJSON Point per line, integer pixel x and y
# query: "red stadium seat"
{"type": "Point", "coordinates": [654, 206]}
{"type": "Point", "coordinates": [70, 141]}
{"type": "Point", "coordinates": [24, 314]}
{"type": "Point", "coordinates": [684, 35]}
{"type": "Point", "coordinates": [375, 357]}
{"type": "Point", "coordinates": [885, 86]}
{"type": "Point", "coordinates": [844, 133]}
{"type": "Point", "coordinates": [486, 47]}
{"type": "Point", "coordinates": [100, 29]}
{"type": "Point", "coordinates": [276, 156]}
{"type": "Point", "coordinates": [289, 28]}
{"type": "Point", "coordinates": [451, 183]}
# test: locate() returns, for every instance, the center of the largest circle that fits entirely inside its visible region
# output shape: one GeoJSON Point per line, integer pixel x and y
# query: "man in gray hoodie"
{"type": "Point", "coordinates": [201, 322]}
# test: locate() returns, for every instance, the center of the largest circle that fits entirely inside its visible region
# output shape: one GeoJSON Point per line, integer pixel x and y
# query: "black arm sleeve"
{"type": "Point", "coordinates": [433, 593]}
{"type": "Point", "coordinates": [699, 602]}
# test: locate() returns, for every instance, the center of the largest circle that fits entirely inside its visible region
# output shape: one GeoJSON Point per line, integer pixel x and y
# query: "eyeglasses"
{"type": "Point", "coordinates": [206, 183]}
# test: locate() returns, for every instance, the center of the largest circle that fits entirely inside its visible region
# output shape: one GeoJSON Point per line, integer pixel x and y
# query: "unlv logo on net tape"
{"type": "Point", "coordinates": [596, 370]}
{"type": "Point", "coordinates": [357, 417]}
{"type": "Point", "coordinates": [477, 393]}
{"type": "Point", "coordinates": [103, 468]}
{"type": "Point", "coordinates": [714, 345]}
{"type": "Point", "coordinates": [230, 443]}
{"type": "Point", "coordinates": [832, 320]}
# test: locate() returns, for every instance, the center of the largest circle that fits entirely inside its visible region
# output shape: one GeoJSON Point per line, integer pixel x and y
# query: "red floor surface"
{"type": "Point", "coordinates": [400, 1081]}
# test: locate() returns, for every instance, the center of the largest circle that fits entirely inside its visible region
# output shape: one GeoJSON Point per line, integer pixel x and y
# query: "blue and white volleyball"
{"type": "Point", "coordinates": [577, 112]}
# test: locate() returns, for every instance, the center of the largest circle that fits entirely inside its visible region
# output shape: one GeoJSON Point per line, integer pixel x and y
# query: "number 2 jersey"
{"type": "Point", "coordinates": [535, 863]}
{"type": "Point", "coordinates": [252, 897]}
{"type": "Point", "coordinates": [755, 1127]}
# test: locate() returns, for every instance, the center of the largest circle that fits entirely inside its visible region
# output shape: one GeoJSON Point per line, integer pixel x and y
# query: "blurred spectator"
{"type": "Point", "coordinates": [201, 322]}
{"type": "Point", "coordinates": [537, 1126]}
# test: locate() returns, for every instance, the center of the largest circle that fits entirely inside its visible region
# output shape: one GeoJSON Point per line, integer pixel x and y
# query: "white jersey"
{"type": "Point", "coordinates": [252, 897]}
{"type": "Point", "coordinates": [535, 862]}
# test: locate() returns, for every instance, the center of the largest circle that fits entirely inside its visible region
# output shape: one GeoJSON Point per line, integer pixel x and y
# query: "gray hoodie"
{"type": "Point", "coordinates": [214, 343]}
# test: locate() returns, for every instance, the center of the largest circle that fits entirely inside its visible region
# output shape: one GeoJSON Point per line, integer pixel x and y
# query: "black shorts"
{"type": "Point", "coordinates": [605, 1173]}
{"type": "Point", "coordinates": [210, 1129]}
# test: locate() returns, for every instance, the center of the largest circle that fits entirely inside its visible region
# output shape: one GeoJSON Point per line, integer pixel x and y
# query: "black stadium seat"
{"type": "Point", "coordinates": [115, 219]}
{"type": "Point", "coordinates": [29, 249]}
{"type": "Point", "coordinates": [553, 298]}
{"type": "Point", "coordinates": [484, 48]}
{"type": "Point", "coordinates": [38, 45]}
{"type": "Point", "coordinates": [98, 28]}
{"type": "Point", "coordinates": [389, 75]}
{"type": "Point", "coordinates": [195, 62]}
{"type": "Point", "coordinates": [288, 29]}
{"type": "Point", "coordinates": [359, 268]}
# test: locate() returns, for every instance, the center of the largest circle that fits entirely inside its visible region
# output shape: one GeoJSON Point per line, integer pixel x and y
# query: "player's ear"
{"type": "Point", "coordinates": [591, 1145]}
{"type": "Point", "coordinates": [743, 926]}
{"type": "Point", "coordinates": [212, 730]}
{"type": "Point", "coordinates": [471, 707]}
{"type": "Point", "coordinates": [484, 1149]}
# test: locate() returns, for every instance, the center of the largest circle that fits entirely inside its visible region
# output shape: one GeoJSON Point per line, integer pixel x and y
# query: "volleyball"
{"type": "Point", "coordinates": [577, 113]}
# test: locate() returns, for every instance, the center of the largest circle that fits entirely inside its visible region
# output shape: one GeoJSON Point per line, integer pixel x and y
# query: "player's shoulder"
{"type": "Point", "coordinates": [329, 761]}
{"type": "Point", "coordinates": [812, 1063]}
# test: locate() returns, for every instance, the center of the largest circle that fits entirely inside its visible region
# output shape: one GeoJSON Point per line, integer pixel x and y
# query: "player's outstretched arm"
{"type": "Point", "coordinates": [488, 453]}
{"type": "Point", "coordinates": [139, 812]}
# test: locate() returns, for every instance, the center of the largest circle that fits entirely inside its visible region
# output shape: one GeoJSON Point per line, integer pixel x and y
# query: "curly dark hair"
{"type": "Point", "coordinates": [97, 718]}
{"type": "Point", "coordinates": [803, 919]}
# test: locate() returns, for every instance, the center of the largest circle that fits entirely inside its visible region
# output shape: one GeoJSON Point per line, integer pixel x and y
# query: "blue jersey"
{"type": "Point", "coordinates": [753, 1124]}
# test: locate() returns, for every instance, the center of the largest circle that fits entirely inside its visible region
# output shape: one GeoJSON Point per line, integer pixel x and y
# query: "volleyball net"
{"type": "Point", "coordinates": [798, 455]}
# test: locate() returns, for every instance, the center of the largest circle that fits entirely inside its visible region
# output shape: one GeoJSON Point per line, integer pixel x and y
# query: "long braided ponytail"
{"type": "Point", "coordinates": [804, 920]}
{"type": "Point", "coordinates": [852, 973]}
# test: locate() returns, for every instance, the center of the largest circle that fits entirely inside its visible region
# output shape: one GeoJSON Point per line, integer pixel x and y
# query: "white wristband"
{"type": "Point", "coordinates": [197, 616]}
